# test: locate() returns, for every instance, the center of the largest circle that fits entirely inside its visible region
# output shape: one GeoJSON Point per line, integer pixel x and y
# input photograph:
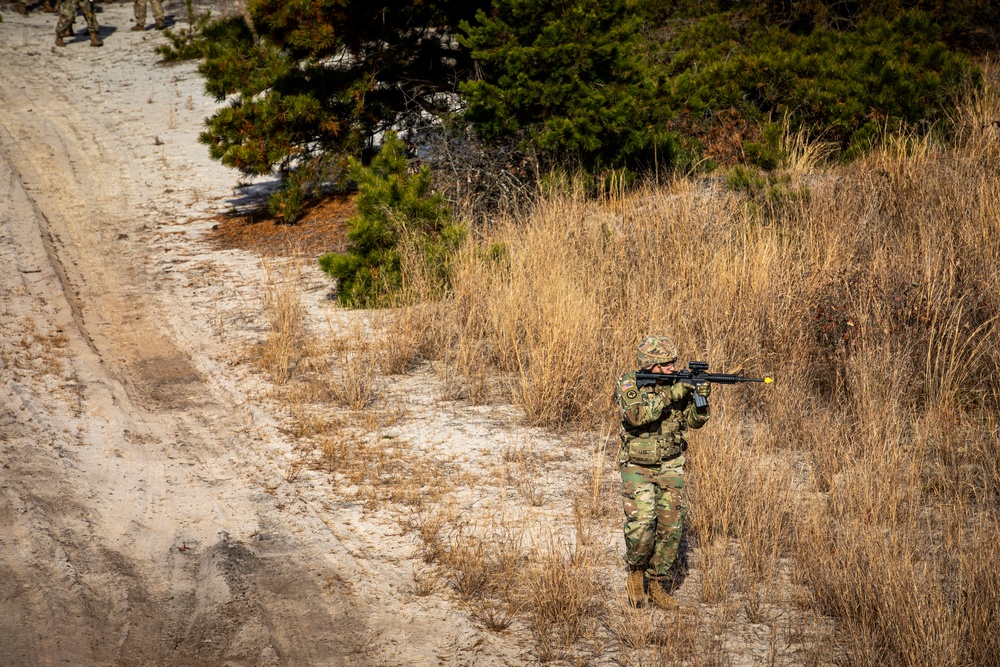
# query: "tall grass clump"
{"type": "Point", "coordinates": [872, 464]}
{"type": "Point", "coordinates": [287, 321]}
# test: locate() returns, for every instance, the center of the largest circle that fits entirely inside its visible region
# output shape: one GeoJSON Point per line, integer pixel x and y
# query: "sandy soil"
{"type": "Point", "coordinates": [147, 513]}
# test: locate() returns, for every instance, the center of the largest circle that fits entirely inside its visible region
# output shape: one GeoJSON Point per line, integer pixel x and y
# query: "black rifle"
{"type": "Point", "coordinates": [696, 374]}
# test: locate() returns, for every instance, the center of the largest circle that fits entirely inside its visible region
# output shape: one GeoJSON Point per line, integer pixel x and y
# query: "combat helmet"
{"type": "Point", "coordinates": [655, 350]}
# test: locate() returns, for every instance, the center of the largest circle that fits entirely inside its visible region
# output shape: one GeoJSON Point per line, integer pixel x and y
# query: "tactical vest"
{"type": "Point", "coordinates": [655, 442]}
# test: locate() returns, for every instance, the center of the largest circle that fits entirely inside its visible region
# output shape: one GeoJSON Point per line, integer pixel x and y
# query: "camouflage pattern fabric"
{"type": "Point", "coordinates": [654, 428]}
{"type": "Point", "coordinates": [67, 12]}
{"type": "Point", "coordinates": [662, 412]}
{"type": "Point", "coordinates": [655, 505]}
{"type": "Point", "coordinates": [140, 10]}
{"type": "Point", "coordinates": [655, 350]}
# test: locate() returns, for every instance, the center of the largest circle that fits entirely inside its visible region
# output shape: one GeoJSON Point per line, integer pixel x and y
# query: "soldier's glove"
{"type": "Point", "coordinates": [704, 389]}
{"type": "Point", "coordinates": [679, 390]}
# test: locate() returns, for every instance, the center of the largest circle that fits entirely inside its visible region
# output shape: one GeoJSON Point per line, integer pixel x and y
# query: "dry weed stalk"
{"type": "Point", "coordinates": [561, 593]}
{"type": "Point", "coordinates": [286, 317]}
{"type": "Point", "coordinates": [353, 383]}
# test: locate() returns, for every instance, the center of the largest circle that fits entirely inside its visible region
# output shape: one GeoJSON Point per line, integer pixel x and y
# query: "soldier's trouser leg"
{"type": "Point", "coordinates": [639, 503]}
{"type": "Point", "coordinates": [157, 8]}
{"type": "Point", "coordinates": [139, 7]}
{"type": "Point", "coordinates": [67, 12]}
{"type": "Point", "coordinates": [671, 506]}
{"type": "Point", "coordinates": [87, 7]}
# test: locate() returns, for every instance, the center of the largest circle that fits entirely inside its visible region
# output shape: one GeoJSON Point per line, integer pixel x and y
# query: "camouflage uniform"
{"type": "Point", "coordinates": [67, 12]}
{"type": "Point", "coordinates": [140, 11]}
{"type": "Point", "coordinates": [654, 427]}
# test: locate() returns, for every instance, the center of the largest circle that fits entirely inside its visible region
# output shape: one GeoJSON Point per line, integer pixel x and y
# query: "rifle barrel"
{"type": "Point", "coordinates": [644, 379]}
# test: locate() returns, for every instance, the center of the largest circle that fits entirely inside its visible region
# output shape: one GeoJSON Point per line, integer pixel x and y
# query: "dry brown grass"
{"type": "Point", "coordinates": [848, 514]}
{"type": "Point", "coordinates": [872, 464]}
{"type": "Point", "coordinates": [287, 330]}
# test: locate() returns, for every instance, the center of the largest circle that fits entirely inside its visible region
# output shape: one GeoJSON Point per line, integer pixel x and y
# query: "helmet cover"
{"type": "Point", "coordinates": [655, 350]}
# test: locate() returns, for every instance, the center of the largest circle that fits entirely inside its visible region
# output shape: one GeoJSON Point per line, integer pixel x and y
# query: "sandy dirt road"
{"type": "Point", "coordinates": [145, 517]}
{"type": "Point", "coordinates": [131, 534]}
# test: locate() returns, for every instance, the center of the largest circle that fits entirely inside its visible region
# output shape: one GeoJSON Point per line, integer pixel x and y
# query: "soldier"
{"type": "Point", "coordinates": [68, 32]}
{"type": "Point", "coordinates": [654, 427]}
{"type": "Point", "coordinates": [140, 14]}
{"type": "Point", "coordinates": [67, 12]}
{"type": "Point", "coordinates": [22, 7]}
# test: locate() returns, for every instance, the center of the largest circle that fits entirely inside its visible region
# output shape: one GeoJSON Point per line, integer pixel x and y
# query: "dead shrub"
{"type": "Point", "coordinates": [287, 330]}
{"type": "Point", "coordinates": [560, 594]}
{"type": "Point", "coordinates": [355, 377]}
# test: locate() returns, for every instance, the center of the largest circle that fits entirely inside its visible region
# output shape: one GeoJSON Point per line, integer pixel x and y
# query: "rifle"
{"type": "Point", "coordinates": [696, 374]}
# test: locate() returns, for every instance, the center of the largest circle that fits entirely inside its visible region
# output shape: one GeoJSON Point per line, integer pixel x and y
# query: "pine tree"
{"type": "Point", "coordinates": [311, 83]}
{"type": "Point", "coordinates": [393, 207]}
{"type": "Point", "coordinates": [846, 86]}
{"type": "Point", "coordinates": [568, 75]}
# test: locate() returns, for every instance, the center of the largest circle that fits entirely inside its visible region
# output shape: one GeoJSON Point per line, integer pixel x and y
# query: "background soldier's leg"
{"type": "Point", "coordinates": [67, 12]}
{"type": "Point", "coordinates": [140, 12]}
{"type": "Point", "coordinates": [88, 14]}
{"type": "Point", "coordinates": [157, 7]}
{"type": "Point", "coordinates": [671, 506]}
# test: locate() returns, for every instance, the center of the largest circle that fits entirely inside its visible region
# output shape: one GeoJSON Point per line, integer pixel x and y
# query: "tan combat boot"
{"type": "Point", "coordinates": [138, 28]}
{"type": "Point", "coordinates": [159, 24]}
{"type": "Point", "coordinates": [48, 8]}
{"type": "Point", "coordinates": [22, 8]}
{"type": "Point", "coordinates": [95, 40]}
{"type": "Point", "coordinates": [660, 597]}
{"type": "Point", "coordinates": [59, 41]}
{"type": "Point", "coordinates": [634, 588]}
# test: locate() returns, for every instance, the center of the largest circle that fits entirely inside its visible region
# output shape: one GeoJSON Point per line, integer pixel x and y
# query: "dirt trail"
{"type": "Point", "coordinates": [132, 533]}
{"type": "Point", "coordinates": [144, 514]}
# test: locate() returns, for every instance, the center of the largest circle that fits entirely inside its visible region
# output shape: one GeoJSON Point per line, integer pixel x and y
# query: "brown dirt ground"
{"type": "Point", "coordinates": [321, 230]}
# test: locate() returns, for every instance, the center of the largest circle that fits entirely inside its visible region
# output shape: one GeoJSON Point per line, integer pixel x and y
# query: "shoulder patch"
{"type": "Point", "coordinates": [628, 390]}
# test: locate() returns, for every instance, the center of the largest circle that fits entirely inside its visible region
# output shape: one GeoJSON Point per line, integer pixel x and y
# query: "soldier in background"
{"type": "Point", "coordinates": [654, 427]}
{"type": "Point", "coordinates": [140, 14]}
{"type": "Point", "coordinates": [22, 7]}
{"type": "Point", "coordinates": [68, 31]}
{"type": "Point", "coordinates": [67, 12]}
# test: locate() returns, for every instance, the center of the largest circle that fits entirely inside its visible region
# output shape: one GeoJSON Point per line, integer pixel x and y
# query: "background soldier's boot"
{"type": "Point", "coordinates": [95, 40]}
{"type": "Point", "coordinates": [138, 28]}
{"type": "Point", "coordinates": [48, 8]}
{"type": "Point", "coordinates": [660, 597]}
{"type": "Point", "coordinates": [22, 8]}
{"type": "Point", "coordinates": [633, 586]}
{"type": "Point", "coordinates": [159, 24]}
{"type": "Point", "coordinates": [59, 41]}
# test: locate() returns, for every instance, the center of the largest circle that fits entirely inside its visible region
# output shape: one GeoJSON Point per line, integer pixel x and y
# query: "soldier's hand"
{"type": "Point", "coordinates": [704, 389]}
{"type": "Point", "coordinates": [679, 390]}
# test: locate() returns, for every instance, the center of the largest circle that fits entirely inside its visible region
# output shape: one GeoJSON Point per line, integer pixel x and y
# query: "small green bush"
{"type": "Point", "coordinates": [745, 179]}
{"type": "Point", "coordinates": [767, 152]}
{"type": "Point", "coordinates": [394, 207]}
{"type": "Point", "coordinates": [186, 43]}
{"type": "Point", "coordinates": [766, 192]}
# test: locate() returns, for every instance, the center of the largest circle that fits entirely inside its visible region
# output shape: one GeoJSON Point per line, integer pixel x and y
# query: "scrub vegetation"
{"type": "Point", "coordinates": [847, 514]}
{"type": "Point", "coordinates": [633, 86]}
